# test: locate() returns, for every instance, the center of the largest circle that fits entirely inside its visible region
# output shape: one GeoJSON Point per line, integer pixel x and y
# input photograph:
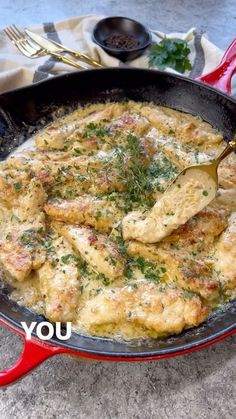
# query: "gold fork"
{"type": "Point", "coordinates": [210, 168]}
{"type": "Point", "coordinates": [32, 50]}
{"type": "Point", "coordinates": [56, 47]}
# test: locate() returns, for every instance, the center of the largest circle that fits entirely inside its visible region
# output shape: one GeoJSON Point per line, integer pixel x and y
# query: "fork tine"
{"type": "Point", "coordinates": [23, 41]}
{"type": "Point", "coordinates": [10, 34]}
{"type": "Point", "coordinates": [18, 31]}
{"type": "Point", "coordinates": [15, 33]}
{"type": "Point", "coordinates": [34, 52]}
{"type": "Point", "coordinates": [18, 34]}
{"type": "Point", "coordinates": [16, 42]}
{"type": "Point", "coordinates": [27, 41]}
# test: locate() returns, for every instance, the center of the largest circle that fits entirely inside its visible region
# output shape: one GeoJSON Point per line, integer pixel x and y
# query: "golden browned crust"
{"type": "Point", "coordinates": [225, 257]}
{"type": "Point", "coordinates": [59, 282]}
{"type": "Point", "coordinates": [188, 272]}
{"type": "Point", "coordinates": [227, 172]}
{"type": "Point", "coordinates": [162, 310]}
{"type": "Point", "coordinates": [97, 249]}
{"type": "Point", "coordinates": [62, 207]}
{"type": "Point", "coordinates": [86, 209]}
{"type": "Point", "coordinates": [201, 230]}
{"type": "Point", "coordinates": [187, 128]}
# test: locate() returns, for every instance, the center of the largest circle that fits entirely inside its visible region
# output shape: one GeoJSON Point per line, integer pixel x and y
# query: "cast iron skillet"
{"type": "Point", "coordinates": [24, 110]}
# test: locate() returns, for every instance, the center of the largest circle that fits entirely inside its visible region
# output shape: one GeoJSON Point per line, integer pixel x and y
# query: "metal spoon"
{"type": "Point", "coordinates": [210, 171]}
{"type": "Point", "coordinates": [210, 168]}
{"type": "Point", "coordinates": [191, 191]}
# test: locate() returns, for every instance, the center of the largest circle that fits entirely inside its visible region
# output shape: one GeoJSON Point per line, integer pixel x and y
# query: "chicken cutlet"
{"type": "Point", "coordinates": [62, 206]}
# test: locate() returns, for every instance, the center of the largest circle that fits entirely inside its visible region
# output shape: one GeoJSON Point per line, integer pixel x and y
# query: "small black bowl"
{"type": "Point", "coordinates": [122, 26]}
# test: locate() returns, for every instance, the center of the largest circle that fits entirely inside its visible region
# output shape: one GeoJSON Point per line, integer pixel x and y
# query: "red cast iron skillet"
{"type": "Point", "coordinates": [20, 113]}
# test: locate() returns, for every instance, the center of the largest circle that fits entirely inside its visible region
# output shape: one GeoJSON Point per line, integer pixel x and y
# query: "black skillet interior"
{"type": "Point", "coordinates": [25, 110]}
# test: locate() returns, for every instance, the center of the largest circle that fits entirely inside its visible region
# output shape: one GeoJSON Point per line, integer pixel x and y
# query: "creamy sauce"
{"type": "Point", "coordinates": [61, 245]}
{"type": "Point", "coordinates": [28, 145]}
{"type": "Point", "coordinates": [190, 193]}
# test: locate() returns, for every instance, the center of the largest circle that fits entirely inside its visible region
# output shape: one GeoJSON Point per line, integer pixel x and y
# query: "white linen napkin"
{"type": "Point", "coordinates": [16, 70]}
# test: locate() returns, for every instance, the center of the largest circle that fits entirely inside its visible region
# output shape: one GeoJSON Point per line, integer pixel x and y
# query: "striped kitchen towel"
{"type": "Point", "coordinates": [17, 70]}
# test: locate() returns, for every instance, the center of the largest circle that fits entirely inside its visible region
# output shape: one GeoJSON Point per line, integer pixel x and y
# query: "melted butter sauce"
{"type": "Point", "coordinates": [171, 210]}
{"type": "Point", "coordinates": [28, 145]}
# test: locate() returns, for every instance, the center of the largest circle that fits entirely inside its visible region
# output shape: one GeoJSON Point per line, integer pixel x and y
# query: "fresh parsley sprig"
{"type": "Point", "coordinates": [171, 53]}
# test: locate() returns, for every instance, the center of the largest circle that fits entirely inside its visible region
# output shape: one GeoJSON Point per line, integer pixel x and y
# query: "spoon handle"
{"type": "Point", "coordinates": [230, 147]}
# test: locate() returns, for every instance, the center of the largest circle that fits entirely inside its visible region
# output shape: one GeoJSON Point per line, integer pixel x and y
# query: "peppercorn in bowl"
{"type": "Point", "coordinates": [121, 37]}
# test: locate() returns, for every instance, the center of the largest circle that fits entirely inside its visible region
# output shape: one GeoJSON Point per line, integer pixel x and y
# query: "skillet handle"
{"type": "Point", "coordinates": [33, 354]}
{"type": "Point", "coordinates": [221, 76]}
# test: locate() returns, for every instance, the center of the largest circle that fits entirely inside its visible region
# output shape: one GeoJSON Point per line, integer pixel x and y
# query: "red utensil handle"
{"type": "Point", "coordinates": [33, 354]}
{"type": "Point", "coordinates": [221, 76]}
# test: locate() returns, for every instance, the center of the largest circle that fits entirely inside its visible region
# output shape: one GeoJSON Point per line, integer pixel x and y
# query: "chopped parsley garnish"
{"type": "Point", "coordinates": [48, 245]}
{"type": "Point", "coordinates": [164, 169]}
{"type": "Point", "coordinates": [133, 173]}
{"type": "Point", "coordinates": [111, 260]}
{"type": "Point", "coordinates": [81, 264]}
{"type": "Point", "coordinates": [173, 53]}
{"type": "Point", "coordinates": [77, 151]}
{"type": "Point", "coordinates": [66, 258]}
{"type": "Point", "coordinates": [93, 130]}
{"type": "Point", "coordinates": [98, 215]}
{"type": "Point", "coordinates": [83, 267]}
{"type": "Point", "coordinates": [161, 173]}
{"type": "Point", "coordinates": [128, 271]}
{"type": "Point", "coordinates": [148, 269]}
{"type": "Point", "coordinates": [106, 281]}
{"type": "Point", "coordinates": [29, 238]}
{"type": "Point", "coordinates": [121, 245]}
{"type": "Point", "coordinates": [17, 186]}
{"type": "Point", "coordinates": [98, 290]}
